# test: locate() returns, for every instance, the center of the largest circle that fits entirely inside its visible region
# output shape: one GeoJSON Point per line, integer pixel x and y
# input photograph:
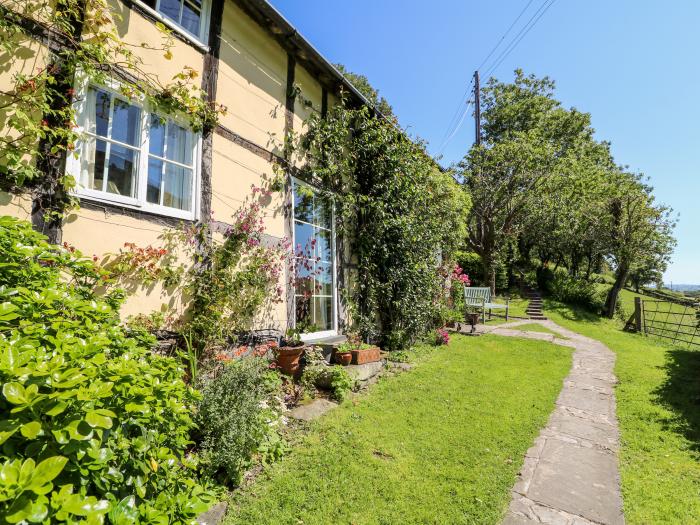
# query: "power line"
{"type": "Point", "coordinates": [463, 100]}
{"type": "Point", "coordinates": [459, 125]}
{"type": "Point", "coordinates": [504, 35]}
{"type": "Point", "coordinates": [521, 34]}
{"type": "Point", "coordinates": [457, 119]}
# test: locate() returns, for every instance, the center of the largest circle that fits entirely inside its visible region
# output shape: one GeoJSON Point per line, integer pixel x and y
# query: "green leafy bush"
{"type": "Point", "coordinates": [92, 424]}
{"type": "Point", "coordinates": [571, 290]}
{"type": "Point", "coordinates": [238, 416]}
{"type": "Point", "coordinates": [335, 378]}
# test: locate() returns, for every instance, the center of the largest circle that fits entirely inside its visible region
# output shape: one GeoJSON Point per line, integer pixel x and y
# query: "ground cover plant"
{"type": "Point", "coordinates": [657, 400]}
{"type": "Point", "coordinates": [439, 444]}
{"type": "Point", "coordinates": [92, 423]}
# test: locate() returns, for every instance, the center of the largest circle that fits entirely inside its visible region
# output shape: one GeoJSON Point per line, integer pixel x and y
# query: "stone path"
{"type": "Point", "coordinates": [570, 475]}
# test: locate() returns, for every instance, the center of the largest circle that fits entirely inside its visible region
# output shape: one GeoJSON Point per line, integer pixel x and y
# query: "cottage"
{"type": "Point", "coordinates": [140, 173]}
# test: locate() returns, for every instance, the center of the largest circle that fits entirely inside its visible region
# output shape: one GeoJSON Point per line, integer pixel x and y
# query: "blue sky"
{"type": "Point", "coordinates": [631, 64]}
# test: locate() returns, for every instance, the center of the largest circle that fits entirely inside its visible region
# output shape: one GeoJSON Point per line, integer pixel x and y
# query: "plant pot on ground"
{"type": "Point", "coordinates": [343, 357]}
{"type": "Point", "coordinates": [290, 351]}
{"type": "Point", "coordinates": [360, 352]}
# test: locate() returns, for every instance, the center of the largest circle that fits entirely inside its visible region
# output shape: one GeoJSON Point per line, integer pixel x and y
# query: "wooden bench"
{"type": "Point", "coordinates": [478, 297]}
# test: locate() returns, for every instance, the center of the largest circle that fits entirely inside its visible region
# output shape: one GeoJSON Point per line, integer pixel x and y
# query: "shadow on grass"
{"type": "Point", "coordinates": [571, 312]}
{"type": "Point", "coordinates": [681, 393]}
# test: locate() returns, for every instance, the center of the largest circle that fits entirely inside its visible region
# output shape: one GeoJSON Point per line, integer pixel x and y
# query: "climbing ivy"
{"type": "Point", "coordinates": [402, 215]}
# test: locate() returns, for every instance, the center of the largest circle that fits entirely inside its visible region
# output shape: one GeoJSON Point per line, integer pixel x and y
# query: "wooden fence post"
{"type": "Point", "coordinates": [638, 314]}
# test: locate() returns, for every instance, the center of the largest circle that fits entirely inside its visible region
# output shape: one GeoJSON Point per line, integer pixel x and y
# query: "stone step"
{"type": "Point", "coordinates": [538, 318]}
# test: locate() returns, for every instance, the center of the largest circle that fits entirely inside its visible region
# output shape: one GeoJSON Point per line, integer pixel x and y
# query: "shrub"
{"type": "Point", "coordinates": [442, 337]}
{"type": "Point", "coordinates": [92, 424]}
{"type": "Point", "coordinates": [335, 378]}
{"type": "Point", "coordinates": [237, 416]}
{"type": "Point", "coordinates": [571, 290]}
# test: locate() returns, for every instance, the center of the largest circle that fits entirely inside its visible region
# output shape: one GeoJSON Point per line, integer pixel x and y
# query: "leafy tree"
{"type": "Point", "coordinates": [361, 82]}
{"type": "Point", "coordinates": [639, 231]}
{"type": "Point", "coordinates": [528, 140]}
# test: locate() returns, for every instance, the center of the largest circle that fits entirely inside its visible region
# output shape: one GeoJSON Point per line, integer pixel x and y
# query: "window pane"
{"type": "Point", "coordinates": [302, 307]}
{"type": "Point", "coordinates": [179, 146]}
{"type": "Point", "coordinates": [98, 169]}
{"type": "Point", "coordinates": [304, 280]}
{"type": "Point", "coordinates": [323, 245]}
{"type": "Point", "coordinates": [323, 313]}
{"type": "Point", "coordinates": [156, 136]}
{"type": "Point", "coordinates": [303, 234]}
{"type": "Point", "coordinates": [102, 99]}
{"type": "Point", "coordinates": [323, 212]}
{"type": "Point", "coordinates": [177, 187]}
{"type": "Point", "coordinates": [190, 17]}
{"type": "Point", "coordinates": [121, 173]}
{"type": "Point", "coordinates": [92, 162]}
{"type": "Point", "coordinates": [171, 9]}
{"type": "Point", "coordinates": [303, 203]}
{"type": "Point", "coordinates": [126, 121]}
{"type": "Point", "coordinates": [324, 279]}
{"type": "Point", "coordinates": [155, 176]}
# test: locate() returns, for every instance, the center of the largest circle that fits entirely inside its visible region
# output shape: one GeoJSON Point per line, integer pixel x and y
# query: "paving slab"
{"type": "Point", "coordinates": [214, 515]}
{"type": "Point", "coordinates": [311, 411]}
{"type": "Point", "coordinates": [570, 475]}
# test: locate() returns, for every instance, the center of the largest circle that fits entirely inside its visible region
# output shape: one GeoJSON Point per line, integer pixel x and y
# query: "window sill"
{"type": "Point", "coordinates": [132, 204]}
{"type": "Point", "coordinates": [172, 26]}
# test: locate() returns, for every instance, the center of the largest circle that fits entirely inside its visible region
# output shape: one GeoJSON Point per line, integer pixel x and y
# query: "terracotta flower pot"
{"type": "Point", "coordinates": [288, 358]}
{"type": "Point", "coordinates": [343, 359]}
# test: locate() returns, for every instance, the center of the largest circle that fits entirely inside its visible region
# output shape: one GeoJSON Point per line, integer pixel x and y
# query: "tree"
{"type": "Point", "coordinates": [639, 231]}
{"type": "Point", "coordinates": [528, 139]}
{"type": "Point", "coordinates": [361, 82]}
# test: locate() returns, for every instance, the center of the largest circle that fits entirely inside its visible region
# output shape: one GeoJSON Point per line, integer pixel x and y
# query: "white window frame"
{"type": "Point", "coordinates": [203, 21]}
{"type": "Point", "coordinates": [334, 298]}
{"type": "Point", "coordinates": [140, 202]}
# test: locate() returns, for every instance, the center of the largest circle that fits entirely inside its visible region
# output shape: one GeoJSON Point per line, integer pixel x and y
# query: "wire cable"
{"type": "Point", "coordinates": [453, 121]}
{"type": "Point", "coordinates": [504, 35]}
{"type": "Point", "coordinates": [521, 34]}
{"type": "Point", "coordinates": [456, 121]}
{"type": "Point", "coordinates": [459, 125]}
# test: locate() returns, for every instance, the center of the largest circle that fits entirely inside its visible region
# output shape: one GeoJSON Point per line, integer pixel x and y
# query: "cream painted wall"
{"type": "Point", "coordinates": [16, 206]}
{"type": "Point", "coordinates": [134, 29]}
{"type": "Point", "coordinates": [252, 80]}
{"type": "Point", "coordinates": [99, 232]}
{"type": "Point", "coordinates": [234, 171]}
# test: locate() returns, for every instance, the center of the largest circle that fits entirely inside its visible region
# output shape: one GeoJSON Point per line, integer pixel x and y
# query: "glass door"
{"type": "Point", "coordinates": [314, 247]}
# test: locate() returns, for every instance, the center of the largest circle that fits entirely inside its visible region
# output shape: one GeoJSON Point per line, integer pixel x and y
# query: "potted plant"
{"type": "Point", "coordinates": [361, 352]}
{"type": "Point", "coordinates": [343, 354]}
{"type": "Point", "coordinates": [473, 317]}
{"type": "Point", "coordinates": [290, 351]}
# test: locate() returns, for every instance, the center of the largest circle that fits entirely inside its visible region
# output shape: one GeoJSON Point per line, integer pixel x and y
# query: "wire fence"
{"type": "Point", "coordinates": [679, 323]}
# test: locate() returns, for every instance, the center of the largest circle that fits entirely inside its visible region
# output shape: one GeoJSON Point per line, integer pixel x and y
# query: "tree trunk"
{"type": "Point", "coordinates": [620, 279]}
{"type": "Point", "coordinates": [489, 268]}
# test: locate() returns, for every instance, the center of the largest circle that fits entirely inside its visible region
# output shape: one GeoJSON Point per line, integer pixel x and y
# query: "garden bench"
{"type": "Point", "coordinates": [479, 297]}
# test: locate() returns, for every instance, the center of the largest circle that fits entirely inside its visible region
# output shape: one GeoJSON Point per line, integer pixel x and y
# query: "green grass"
{"type": "Point", "coordinates": [517, 307]}
{"type": "Point", "coordinates": [441, 443]}
{"type": "Point", "coordinates": [658, 407]}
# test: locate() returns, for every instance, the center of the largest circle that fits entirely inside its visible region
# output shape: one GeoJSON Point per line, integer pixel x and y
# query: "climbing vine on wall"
{"type": "Point", "coordinates": [402, 215]}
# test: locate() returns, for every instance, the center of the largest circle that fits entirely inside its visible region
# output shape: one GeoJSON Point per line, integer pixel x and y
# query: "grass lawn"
{"type": "Point", "coordinates": [658, 407]}
{"type": "Point", "coordinates": [439, 444]}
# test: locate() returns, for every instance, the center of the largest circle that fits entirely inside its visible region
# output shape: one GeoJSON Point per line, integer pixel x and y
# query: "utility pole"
{"type": "Point", "coordinates": [477, 109]}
